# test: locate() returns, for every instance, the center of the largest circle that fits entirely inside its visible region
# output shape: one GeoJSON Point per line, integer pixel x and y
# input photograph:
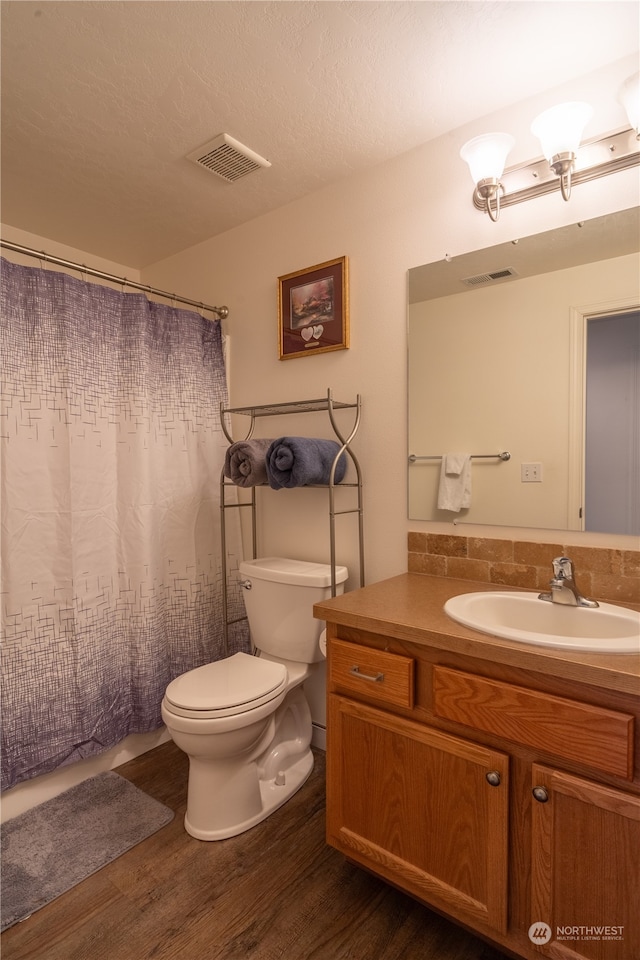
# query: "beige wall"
{"type": "Point", "coordinates": [51, 246]}
{"type": "Point", "coordinates": [411, 210]}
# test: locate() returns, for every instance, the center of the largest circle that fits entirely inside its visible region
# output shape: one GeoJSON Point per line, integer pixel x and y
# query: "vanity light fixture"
{"type": "Point", "coordinates": [566, 162]}
{"type": "Point", "coordinates": [629, 97]}
{"type": "Point", "coordinates": [486, 156]}
{"type": "Point", "coordinates": [559, 131]}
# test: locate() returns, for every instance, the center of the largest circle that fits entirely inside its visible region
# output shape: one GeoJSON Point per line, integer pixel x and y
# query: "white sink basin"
{"type": "Point", "coordinates": [525, 618]}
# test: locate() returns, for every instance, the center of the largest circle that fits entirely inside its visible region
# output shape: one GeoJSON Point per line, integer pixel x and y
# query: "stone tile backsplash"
{"type": "Point", "coordinates": [601, 573]}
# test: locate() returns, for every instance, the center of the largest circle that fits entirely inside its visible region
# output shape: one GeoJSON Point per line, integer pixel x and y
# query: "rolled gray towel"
{"type": "Point", "coordinates": [245, 463]}
{"type": "Point", "coordinates": [300, 461]}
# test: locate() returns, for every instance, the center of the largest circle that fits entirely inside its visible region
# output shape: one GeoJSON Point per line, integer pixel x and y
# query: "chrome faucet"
{"type": "Point", "coordinates": [563, 586]}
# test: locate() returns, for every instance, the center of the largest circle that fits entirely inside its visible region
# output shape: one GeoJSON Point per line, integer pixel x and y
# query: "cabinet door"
{"type": "Point", "coordinates": [416, 807]}
{"type": "Point", "coordinates": [585, 874]}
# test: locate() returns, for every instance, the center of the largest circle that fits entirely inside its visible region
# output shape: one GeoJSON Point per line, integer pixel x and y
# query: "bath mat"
{"type": "Point", "coordinates": [54, 846]}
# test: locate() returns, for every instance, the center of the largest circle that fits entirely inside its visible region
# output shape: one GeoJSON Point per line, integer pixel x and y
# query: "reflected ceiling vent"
{"type": "Point", "coordinates": [483, 278]}
{"type": "Point", "coordinates": [227, 158]}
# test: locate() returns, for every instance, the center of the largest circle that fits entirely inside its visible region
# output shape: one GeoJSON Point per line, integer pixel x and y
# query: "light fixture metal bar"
{"type": "Point", "coordinates": [596, 158]}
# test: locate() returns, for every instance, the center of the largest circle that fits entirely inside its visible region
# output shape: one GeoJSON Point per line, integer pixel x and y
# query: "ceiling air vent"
{"type": "Point", "coordinates": [483, 278]}
{"type": "Point", "coordinates": [227, 158]}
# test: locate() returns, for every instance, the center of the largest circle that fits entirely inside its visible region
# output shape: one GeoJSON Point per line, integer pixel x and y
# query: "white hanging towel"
{"type": "Point", "coordinates": [454, 492]}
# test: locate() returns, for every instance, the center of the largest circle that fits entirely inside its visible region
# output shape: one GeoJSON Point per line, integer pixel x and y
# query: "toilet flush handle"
{"type": "Point", "coordinates": [245, 584]}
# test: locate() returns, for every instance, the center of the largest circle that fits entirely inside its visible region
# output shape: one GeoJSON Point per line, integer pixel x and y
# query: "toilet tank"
{"type": "Point", "coordinates": [279, 595]}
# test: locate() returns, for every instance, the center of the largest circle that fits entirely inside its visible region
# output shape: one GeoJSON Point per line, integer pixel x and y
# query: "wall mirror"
{"type": "Point", "coordinates": [498, 346]}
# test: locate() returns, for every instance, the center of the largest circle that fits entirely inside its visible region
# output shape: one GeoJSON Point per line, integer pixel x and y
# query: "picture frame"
{"type": "Point", "coordinates": [313, 310]}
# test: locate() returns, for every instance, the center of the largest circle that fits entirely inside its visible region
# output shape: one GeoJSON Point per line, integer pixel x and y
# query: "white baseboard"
{"type": "Point", "coordinates": [319, 737]}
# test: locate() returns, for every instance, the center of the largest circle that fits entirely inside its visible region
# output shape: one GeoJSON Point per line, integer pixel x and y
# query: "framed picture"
{"type": "Point", "coordinates": [313, 310]}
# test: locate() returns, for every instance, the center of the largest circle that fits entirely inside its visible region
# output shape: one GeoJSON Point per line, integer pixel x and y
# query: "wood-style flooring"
{"type": "Point", "coordinates": [276, 892]}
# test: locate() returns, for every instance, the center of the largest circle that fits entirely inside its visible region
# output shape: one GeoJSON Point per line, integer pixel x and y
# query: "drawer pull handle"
{"type": "Point", "coordinates": [379, 677]}
{"type": "Point", "coordinates": [493, 778]}
{"type": "Point", "coordinates": [540, 794]}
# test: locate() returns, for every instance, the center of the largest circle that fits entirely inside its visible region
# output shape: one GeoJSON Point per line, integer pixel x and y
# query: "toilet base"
{"type": "Point", "coordinates": [273, 794]}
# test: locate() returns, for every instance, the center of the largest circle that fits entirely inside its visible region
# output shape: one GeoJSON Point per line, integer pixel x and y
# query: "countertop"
{"type": "Point", "coordinates": [409, 607]}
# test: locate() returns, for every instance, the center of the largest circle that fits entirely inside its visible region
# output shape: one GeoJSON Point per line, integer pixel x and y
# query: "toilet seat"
{"type": "Point", "coordinates": [226, 687]}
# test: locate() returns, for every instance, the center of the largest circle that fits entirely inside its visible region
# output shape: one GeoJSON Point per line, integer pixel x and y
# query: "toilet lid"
{"type": "Point", "coordinates": [237, 682]}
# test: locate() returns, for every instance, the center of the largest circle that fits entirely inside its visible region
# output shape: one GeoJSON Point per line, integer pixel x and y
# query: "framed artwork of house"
{"type": "Point", "coordinates": [313, 310]}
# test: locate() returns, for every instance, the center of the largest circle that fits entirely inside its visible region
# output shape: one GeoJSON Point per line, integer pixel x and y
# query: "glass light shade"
{"type": "Point", "coordinates": [630, 99]}
{"type": "Point", "coordinates": [560, 128]}
{"type": "Point", "coordinates": [487, 155]}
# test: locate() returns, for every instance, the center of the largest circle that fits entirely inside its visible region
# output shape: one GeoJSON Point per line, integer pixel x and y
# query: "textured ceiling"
{"type": "Point", "coordinates": [101, 102]}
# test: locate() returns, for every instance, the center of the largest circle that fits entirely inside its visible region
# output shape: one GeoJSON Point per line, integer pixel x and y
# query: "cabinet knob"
{"type": "Point", "coordinates": [540, 794]}
{"type": "Point", "coordinates": [493, 778]}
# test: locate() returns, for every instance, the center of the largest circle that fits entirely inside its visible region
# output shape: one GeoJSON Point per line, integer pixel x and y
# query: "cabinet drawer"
{"type": "Point", "coordinates": [376, 674]}
{"type": "Point", "coordinates": [581, 732]}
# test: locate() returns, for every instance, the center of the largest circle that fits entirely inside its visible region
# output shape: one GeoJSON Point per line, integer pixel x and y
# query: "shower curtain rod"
{"type": "Point", "coordinates": [222, 312]}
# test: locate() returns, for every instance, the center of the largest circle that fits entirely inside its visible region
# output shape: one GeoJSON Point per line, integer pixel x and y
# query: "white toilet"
{"type": "Point", "coordinates": [244, 722]}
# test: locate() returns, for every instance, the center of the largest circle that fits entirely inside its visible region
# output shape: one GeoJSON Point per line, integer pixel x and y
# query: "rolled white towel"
{"type": "Point", "coordinates": [454, 492]}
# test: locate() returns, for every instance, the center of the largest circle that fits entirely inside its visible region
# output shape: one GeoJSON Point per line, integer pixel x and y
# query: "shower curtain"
{"type": "Point", "coordinates": [111, 455]}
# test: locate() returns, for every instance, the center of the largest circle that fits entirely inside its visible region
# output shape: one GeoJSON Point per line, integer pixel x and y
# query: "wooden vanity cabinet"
{"type": "Point", "coordinates": [416, 805]}
{"type": "Point", "coordinates": [487, 793]}
{"type": "Point", "coordinates": [585, 868]}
